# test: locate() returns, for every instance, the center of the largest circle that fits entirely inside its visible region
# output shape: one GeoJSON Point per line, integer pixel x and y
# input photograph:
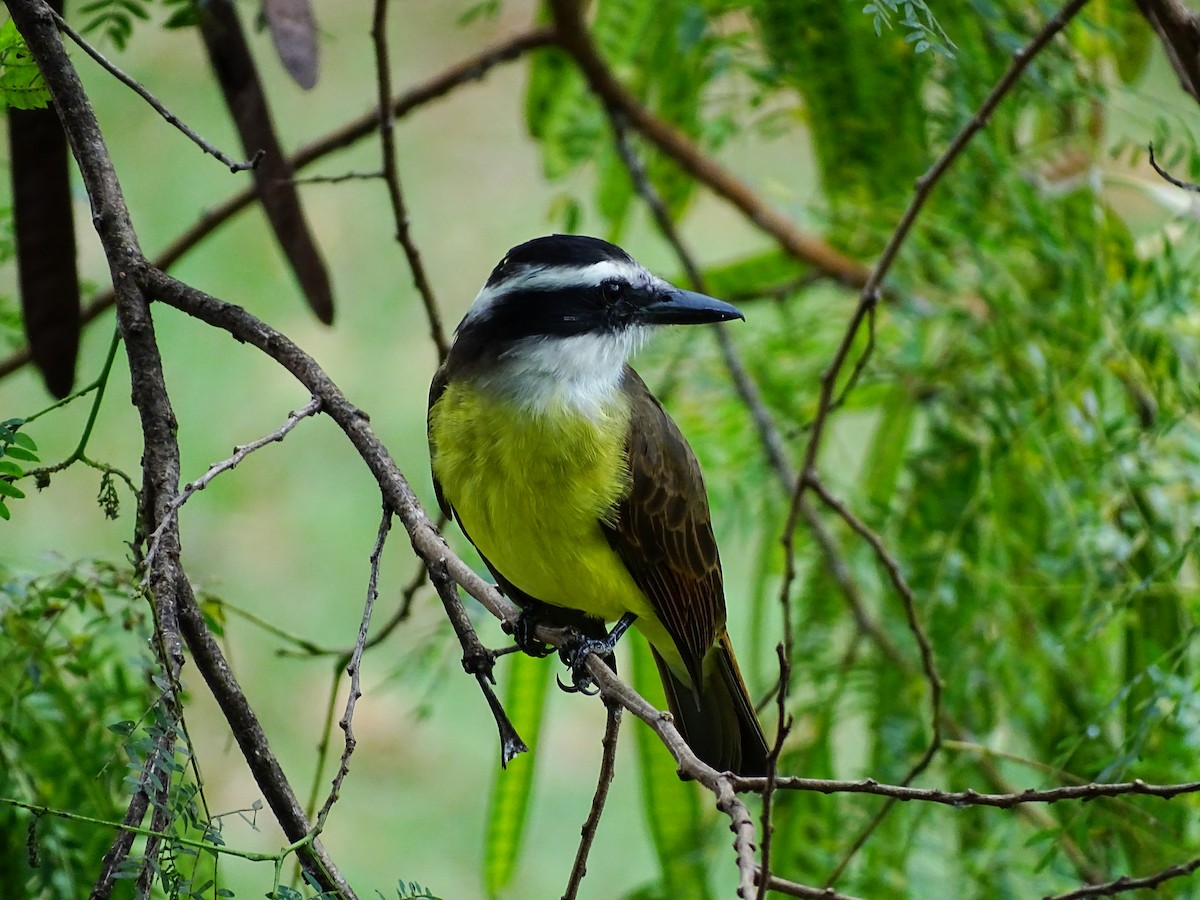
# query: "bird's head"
{"type": "Point", "coordinates": [569, 309]}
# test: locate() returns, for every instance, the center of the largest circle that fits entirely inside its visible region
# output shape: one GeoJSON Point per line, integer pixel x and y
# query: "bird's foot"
{"type": "Point", "coordinates": [524, 629]}
{"type": "Point", "coordinates": [575, 652]}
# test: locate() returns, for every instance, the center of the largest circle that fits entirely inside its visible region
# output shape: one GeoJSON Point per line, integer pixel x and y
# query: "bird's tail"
{"type": "Point", "coordinates": [718, 720]}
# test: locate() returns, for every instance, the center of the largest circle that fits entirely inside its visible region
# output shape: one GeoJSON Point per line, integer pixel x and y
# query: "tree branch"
{"type": "Point", "coordinates": [1090, 791]}
{"type": "Point", "coordinates": [1179, 30]}
{"type": "Point", "coordinates": [574, 39]}
{"type": "Point", "coordinates": [1125, 883]}
{"type": "Point", "coordinates": [354, 670]}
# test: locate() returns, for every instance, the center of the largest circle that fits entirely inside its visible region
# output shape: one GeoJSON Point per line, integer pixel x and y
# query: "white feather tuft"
{"type": "Point", "coordinates": [581, 373]}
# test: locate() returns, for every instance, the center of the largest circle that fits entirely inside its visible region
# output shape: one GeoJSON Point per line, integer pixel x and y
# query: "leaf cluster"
{"type": "Point", "coordinates": [16, 447]}
{"type": "Point", "coordinates": [65, 673]}
{"type": "Point", "coordinates": [21, 83]}
{"type": "Point", "coordinates": [116, 19]}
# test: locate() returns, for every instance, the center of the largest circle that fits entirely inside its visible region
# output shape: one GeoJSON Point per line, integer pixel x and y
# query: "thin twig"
{"type": "Point", "coordinates": [477, 660]}
{"type": "Point", "coordinates": [1089, 791]}
{"type": "Point", "coordinates": [1125, 883]}
{"type": "Point", "coordinates": [391, 174]}
{"type": "Point", "coordinates": [795, 889]}
{"type": "Point", "coordinates": [781, 732]}
{"type": "Point", "coordinates": [239, 454]}
{"type": "Point", "coordinates": [354, 670]}
{"type": "Point", "coordinates": [892, 566]}
{"type": "Point", "coordinates": [153, 101]}
{"type": "Point", "coordinates": [339, 179]}
{"type": "Point", "coordinates": [591, 825]}
{"type": "Point", "coordinates": [1167, 176]}
{"type": "Point", "coordinates": [860, 366]}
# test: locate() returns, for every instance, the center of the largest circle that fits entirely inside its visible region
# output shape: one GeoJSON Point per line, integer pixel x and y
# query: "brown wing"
{"type": "Point", "coordinates": [663, 530]}
{"type": "Point", "coordinates": [437, 387]}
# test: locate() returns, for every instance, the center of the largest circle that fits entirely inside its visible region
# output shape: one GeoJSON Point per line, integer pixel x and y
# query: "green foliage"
{"type": "Point", "coordinates": [413, 891]}
{"type": "Point", "coordinates": [114, 19]}
{"type": "Point", "coordinates": [21, 82]}
{"type": "Point", "coordinates": [181, 13]}
{"type": "Point", "coordinates": [65, 676]}
{"type": "Point", "coordinates": [16, 447]}
{"type": "Point", "coordinates": [1023, 437]}
{"type": "Point", "coordinates": [571, 127]}
{"type": "Point", "coordinates": [869, 131]}
{"type": "Point", "coordinates": [923, 30]}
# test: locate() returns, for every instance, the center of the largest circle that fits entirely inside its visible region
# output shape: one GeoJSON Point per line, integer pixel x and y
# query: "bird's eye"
{"type": "Point", "coordinates": [612, 291]}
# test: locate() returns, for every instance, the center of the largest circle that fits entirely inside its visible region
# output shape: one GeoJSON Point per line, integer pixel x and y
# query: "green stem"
{"type": "Point", "coordinates": [86, 389]}
{"type": "Point", "coordinates": [98, 386]}
{"type": "Point", "coordinates": [275, 858]}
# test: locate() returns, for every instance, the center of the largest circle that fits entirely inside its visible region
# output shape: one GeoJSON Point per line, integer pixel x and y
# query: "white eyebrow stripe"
{"type": "Point", "coordinates": [550, 278]}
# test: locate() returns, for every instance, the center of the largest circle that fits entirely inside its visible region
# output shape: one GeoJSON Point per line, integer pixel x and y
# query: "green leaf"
{"type": "Point", "coordinates": [525, 701]}
{"type": "Point", "coordinates": [8, 489]}
{"type": "Point", "coordinates": [21, 453]}
{"type": "Point", "coordinates": [21, 82]}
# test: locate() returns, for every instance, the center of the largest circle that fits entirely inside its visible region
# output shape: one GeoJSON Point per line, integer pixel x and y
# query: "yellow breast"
{"type": "Point", "coordinates": [531, 491]}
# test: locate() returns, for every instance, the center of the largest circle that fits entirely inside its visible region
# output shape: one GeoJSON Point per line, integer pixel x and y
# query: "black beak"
{"type": "Point", "coordinates": [675, 306]}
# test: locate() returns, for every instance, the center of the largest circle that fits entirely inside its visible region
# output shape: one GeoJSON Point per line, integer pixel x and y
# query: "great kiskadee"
{"type": "Point", "coordinates": [575, 486]}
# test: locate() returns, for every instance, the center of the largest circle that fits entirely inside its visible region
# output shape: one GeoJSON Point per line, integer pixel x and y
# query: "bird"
{"type": "Point", "coordinates": [580, 493]}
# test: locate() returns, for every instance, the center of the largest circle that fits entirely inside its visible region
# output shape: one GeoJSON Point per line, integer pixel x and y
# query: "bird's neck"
{"type": "Point", "coordinates": [576, 376]}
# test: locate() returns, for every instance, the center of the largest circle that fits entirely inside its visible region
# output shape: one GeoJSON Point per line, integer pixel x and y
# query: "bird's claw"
{"type": "Point", "coordinates": [523, 632]}
{"type": "Point", "coordinates": [581, 683]}
{"type": "Point", "coordinates": [574, 654]}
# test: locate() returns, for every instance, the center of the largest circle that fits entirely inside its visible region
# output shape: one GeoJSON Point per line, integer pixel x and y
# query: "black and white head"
{"type": "Point", "coordinates": [560, 315]}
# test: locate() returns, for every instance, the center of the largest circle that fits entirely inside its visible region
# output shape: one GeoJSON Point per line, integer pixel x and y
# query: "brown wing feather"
{"type": "Point", "coordinates": [437, 387]}
{"type": "Point", "coordinates": [663, 530]}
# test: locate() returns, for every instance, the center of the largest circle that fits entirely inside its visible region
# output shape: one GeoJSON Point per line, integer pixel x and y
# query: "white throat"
{"type": "Point", "coordinates": [581, 373]}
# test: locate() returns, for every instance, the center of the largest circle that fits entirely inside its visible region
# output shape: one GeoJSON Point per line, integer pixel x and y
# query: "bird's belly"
{"type": "Point", "coordinates": [532, 491]}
